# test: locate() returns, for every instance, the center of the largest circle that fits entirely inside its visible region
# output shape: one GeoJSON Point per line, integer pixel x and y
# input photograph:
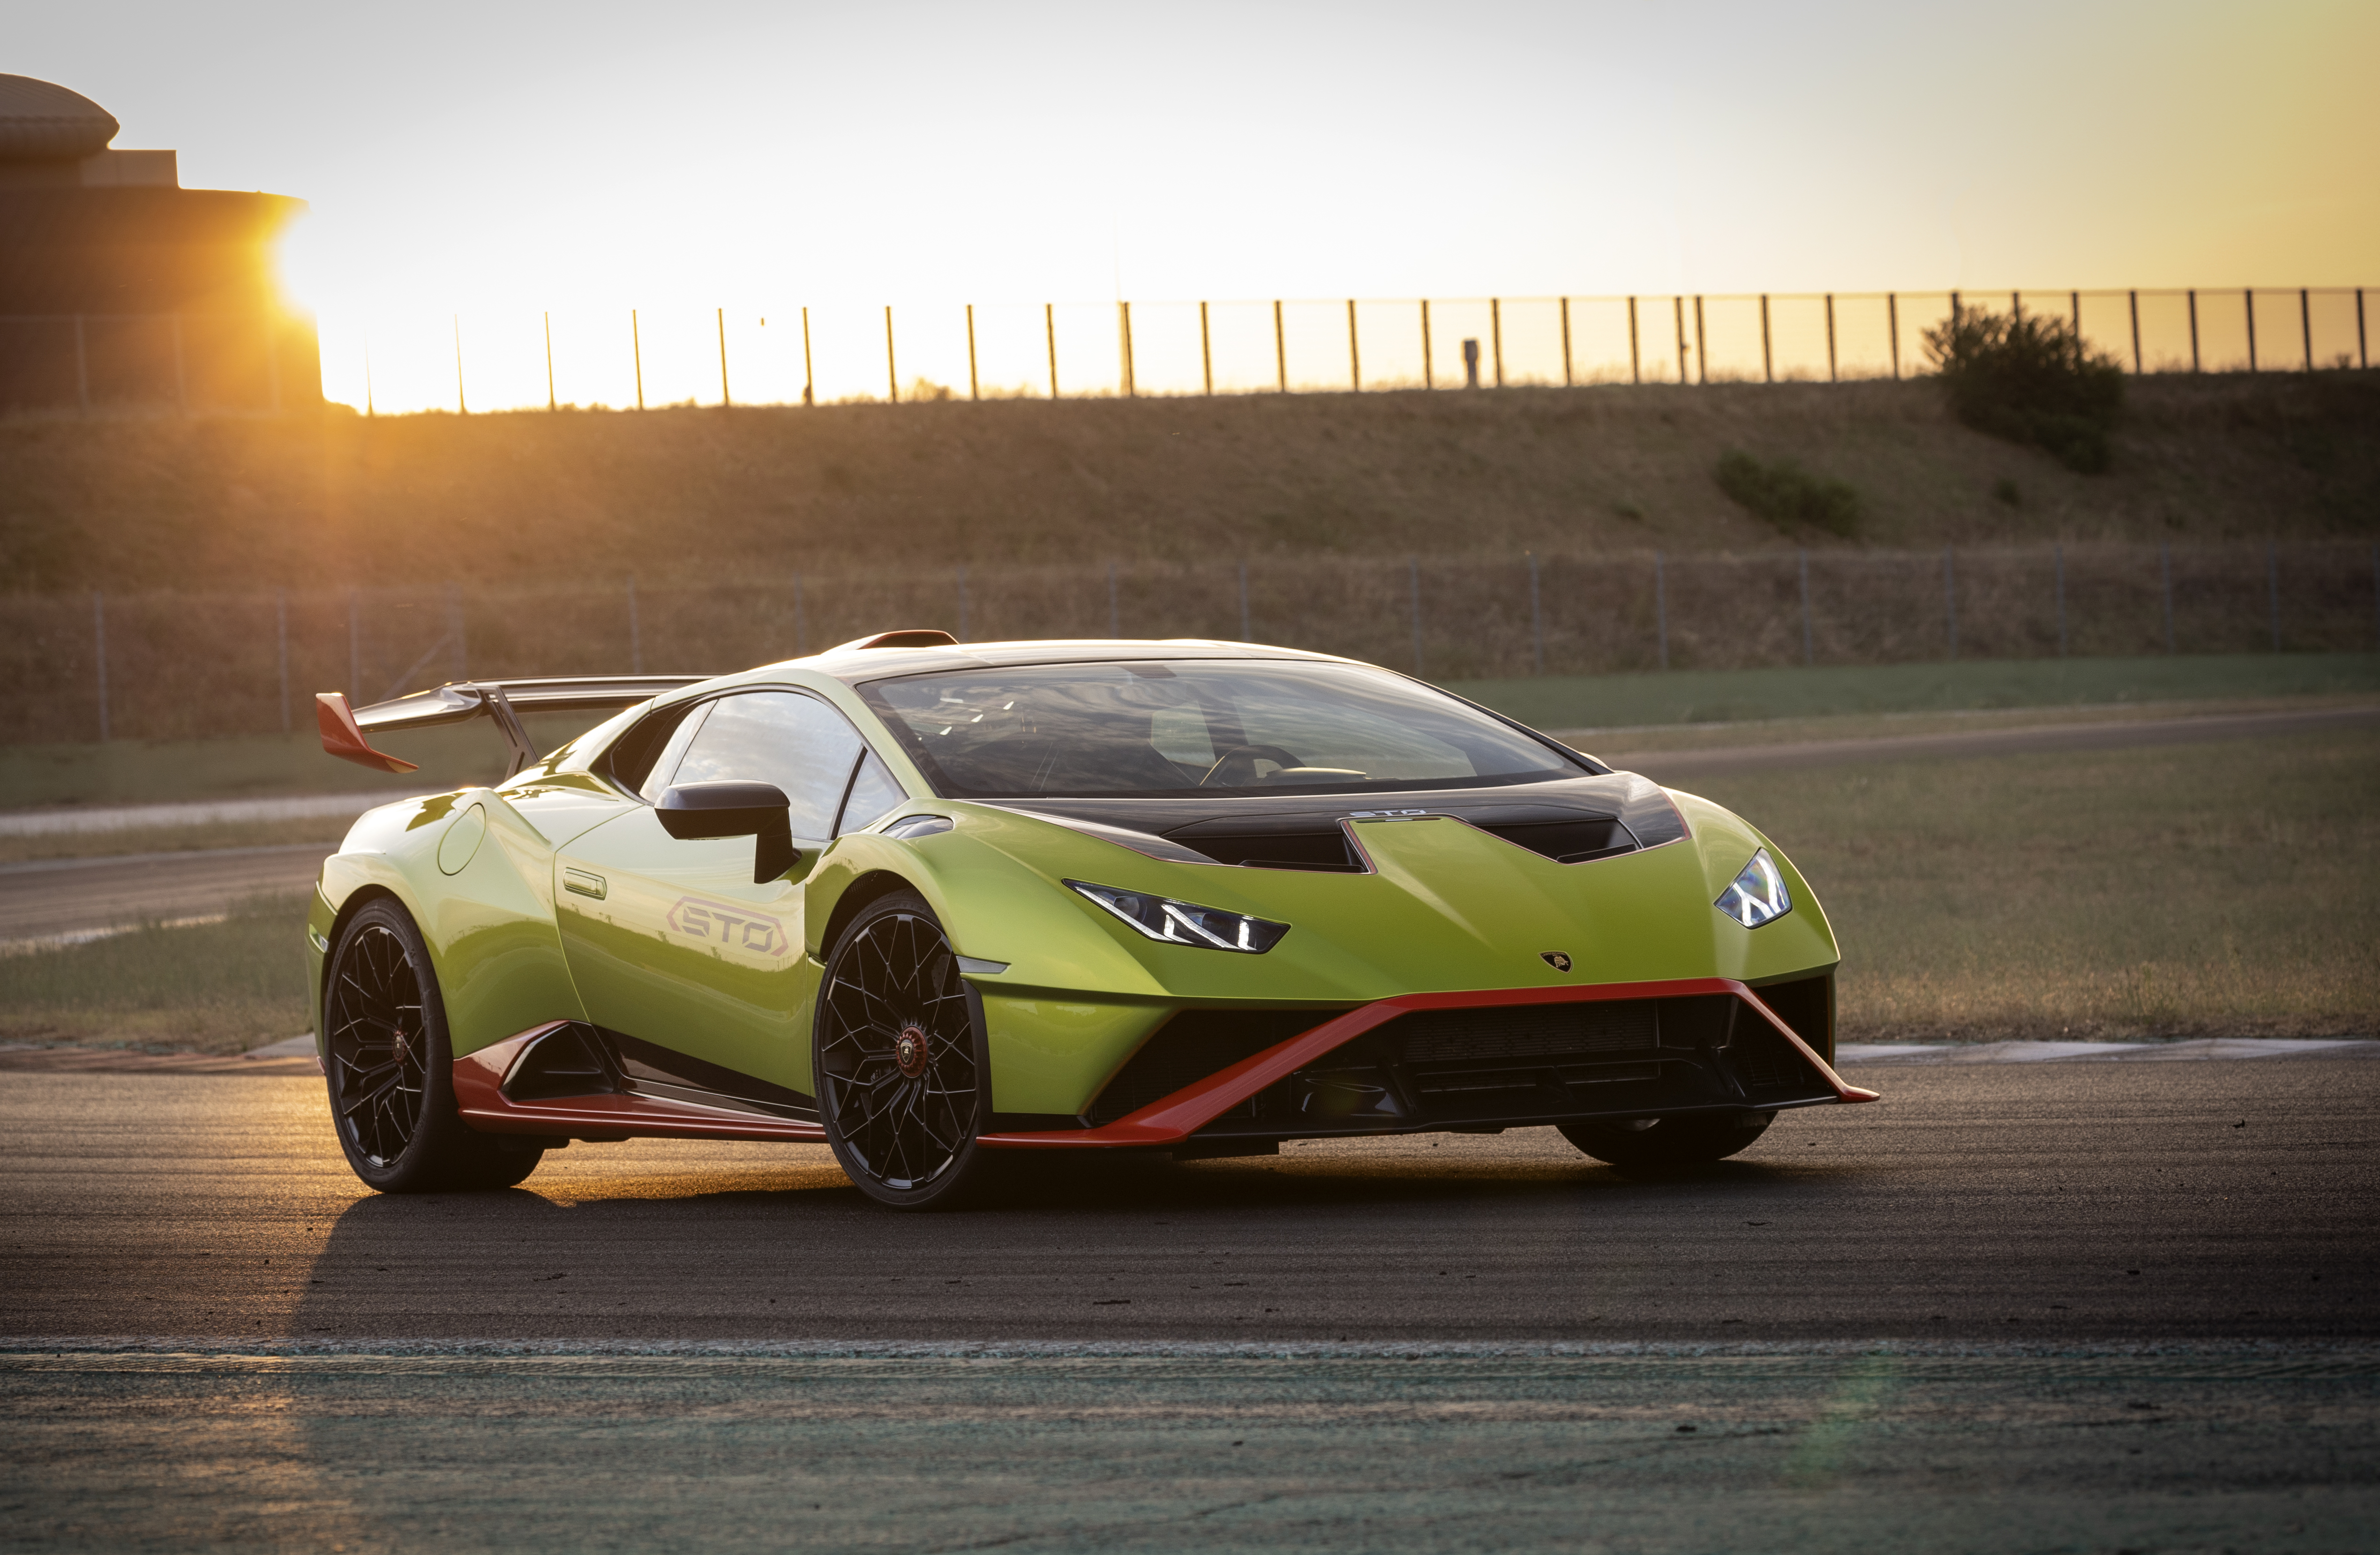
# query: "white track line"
{"type": "Point", "coordinates": [1862, 1053]}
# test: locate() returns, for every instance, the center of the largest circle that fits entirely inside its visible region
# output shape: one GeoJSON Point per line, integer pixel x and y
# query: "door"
{"type": "Point", "coordinates": [673, 944]}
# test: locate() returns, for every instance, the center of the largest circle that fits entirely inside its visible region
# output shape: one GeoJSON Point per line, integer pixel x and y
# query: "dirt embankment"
{"type": "Point", "coordinates": [338, 500]}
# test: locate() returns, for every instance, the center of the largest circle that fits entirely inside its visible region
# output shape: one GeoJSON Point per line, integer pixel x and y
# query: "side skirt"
{"type": "Point", "coordinates": [479, 1099]}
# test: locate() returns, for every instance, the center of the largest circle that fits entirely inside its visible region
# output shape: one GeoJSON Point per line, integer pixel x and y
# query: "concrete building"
{"type": "Point", "coordinates": [120, 289]}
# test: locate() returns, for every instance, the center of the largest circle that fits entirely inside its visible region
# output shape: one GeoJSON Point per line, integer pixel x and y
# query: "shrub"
{"type": "Point", "coordinates": [1787, 495]}
{"type": "Point", "coordinates": [2029, 379]}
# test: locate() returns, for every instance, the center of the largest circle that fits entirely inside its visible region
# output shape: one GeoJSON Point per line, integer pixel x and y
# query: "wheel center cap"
{"type": "Point", "coordinates": [910, 1050]}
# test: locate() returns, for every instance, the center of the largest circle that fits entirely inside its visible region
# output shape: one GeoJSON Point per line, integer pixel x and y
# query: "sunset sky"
{"type": "Point", "coordinates": [500, 156]}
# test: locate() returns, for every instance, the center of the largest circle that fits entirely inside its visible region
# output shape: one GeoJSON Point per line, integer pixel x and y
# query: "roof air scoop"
{"type": "Point", "coordinates": [912, 636]}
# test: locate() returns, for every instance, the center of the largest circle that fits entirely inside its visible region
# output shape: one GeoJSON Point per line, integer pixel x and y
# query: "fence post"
{"type": "Point", "coordinates": [550, 401]}
{"type": "Point", "coordinates": [1892, 332]}
{"type": "Point", "coordinates": [1832, 377]}
{"type": "Point", "coordinates": [1635, 366]}
{"type": "Point", "coordinates": [1123, 338]}
{"type": "Point", "coordinates": [1246, 634]}
{"type": "Point", "coordinates": [1279, 346]}
{"type": "Point", "coordinates": [1496, 335]}
{"type": "Point", "coordinates": [726, 399]}
{"type": "Point", "coordinates": [2135, 302]}
{"type": "Point", "coordinates": [1536, 619]}
{"type": "Point", "coordinates": [1429, 379]}
{"type": "Point", "coordinates": [801, 624]}
{"type": "Point", "coordinates": [973, 389]}
{"type": "Point", "coordinates": [2248, 304]}
{"type": "Point", "coordinates": [1951, 598]}
{"type": "Point", "coordinates": [1412, 576]}
{"type": "Point", "coordinates": [281, 650]}
{"type": "Point", "coordinates": [99, 645]}
{"type": "Point", "coordinates": [355, 643]}
{"type": "Point", "coordinates": [637, 345]}
{"type": "Point", "coordinates": [2074, 324]}
{"type": "Point", "coordinates": [892, 367]}
{"type": "Point", "coordinates": [1661, 607]}
{"type": "Point", "coordinates": [963, 605]}
{"type": "Point", "coordinates": [1050, 324]}
{"type": "Point", "coordinates": [1115, 614]}
{"type": "Point", "coordinates": [1678, 308]}
{"type": "Point", "coordinates": [1565, 322]}
{"type": "Point", "coordinates": [2305, 324]}
{"type": "Point", "coordinates": [2362, 352]}
{"type": "Point", "coordinates": [1809, 650]}
{"type": "Point", "coordinates": [1768, 362]}
{"type": "Point", "coordinates": [810, 378]}
{"type": "Point", "coordinates": [2273, 589]}
{"type": "Point", "coordinates": [636, 634]}
{"type": "Point", "coordinates": [462, 406]}
{"type": "Point", "coordinates": [1206, 349]}
{"type": "Point", "coordinates": [1354, 356]}
{"type": "Point", "coordinates": [2193, 330]}
{"type": "Point", "coordinates": [2057, 556]}
{"type": "Point", "coordinates": [1701, 344]}
{"type": "Point", "coordinates": [2165, 570]}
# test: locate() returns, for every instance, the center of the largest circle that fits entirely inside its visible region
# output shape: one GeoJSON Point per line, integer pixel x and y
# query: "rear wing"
{"type": "Point", "coordinates": [345, 729]}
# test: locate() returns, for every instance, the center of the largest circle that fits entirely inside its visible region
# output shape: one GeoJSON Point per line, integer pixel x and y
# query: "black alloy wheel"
{"type": "Point", "coordinates": [1693, 1139]}
{"type": "Point", "coordinates": [899, 1059]}
{"type": "Point", "coordinates": [389, 1066]}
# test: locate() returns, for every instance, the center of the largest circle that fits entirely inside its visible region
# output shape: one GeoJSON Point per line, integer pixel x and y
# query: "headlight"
{"type": "Point", "coordinates": [1185, 923]}
{"type": "Point", "coordinates": [1759, 896]}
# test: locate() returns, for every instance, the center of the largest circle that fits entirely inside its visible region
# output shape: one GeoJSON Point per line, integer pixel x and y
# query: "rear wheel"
{"type": "Point", "coordinates": [390, 1067]}
{"type": "Point", "coordinates": [1681, 1141]}
{"type": "Point", "coordinates": [900, 1062]}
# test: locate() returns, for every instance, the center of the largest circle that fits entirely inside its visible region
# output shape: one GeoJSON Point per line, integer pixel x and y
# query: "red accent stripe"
{"type": "Point", "coordinates": [1172, 1118]}
{"type": "Point", "coordinates": [479, 1099]}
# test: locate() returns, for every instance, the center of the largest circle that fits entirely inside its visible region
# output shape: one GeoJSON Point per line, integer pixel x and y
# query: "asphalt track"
{"type": "Point", "coordinates": [2025, 1305]}
{"type": "Point", "coordinates": [2075, 1305]}
{"type": "Point", "coordinates": [66, 897]}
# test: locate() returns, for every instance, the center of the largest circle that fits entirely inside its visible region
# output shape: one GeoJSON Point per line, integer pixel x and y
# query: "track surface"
{"type": "Point", "coordinates": [1995, 1225]}
{"type": "Point", "coordinates": [62, 896]}
{"type": "Point", "coordinates": [2204, 1200]}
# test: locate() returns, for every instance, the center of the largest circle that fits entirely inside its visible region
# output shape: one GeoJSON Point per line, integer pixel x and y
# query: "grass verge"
{"type": "Point", "coordinates": [211, 987]}
{"type": "Point", "coordinates": [1717, 695]}
{"type": "Point", "coordinates": [2176, 890]}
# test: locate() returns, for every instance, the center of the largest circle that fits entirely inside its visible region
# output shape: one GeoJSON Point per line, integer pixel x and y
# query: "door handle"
{"type": "Point", "coordinates": [584, 882]}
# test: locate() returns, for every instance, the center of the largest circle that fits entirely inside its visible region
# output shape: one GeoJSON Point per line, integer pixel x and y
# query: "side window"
{"type": "Point", "coordinates": [798, 743]}
{"type": "Point", "coordinates": [872, 793]}
{"type": "Point", "coordinates": [661, 747]}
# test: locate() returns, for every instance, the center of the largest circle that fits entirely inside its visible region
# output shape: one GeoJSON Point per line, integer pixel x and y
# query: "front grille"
{"type": "Point", "coordinates": [1524, 1031]}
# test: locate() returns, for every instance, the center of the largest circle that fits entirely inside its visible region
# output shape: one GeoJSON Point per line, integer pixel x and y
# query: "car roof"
{"type": "Point", "coordinates": [853, 665]}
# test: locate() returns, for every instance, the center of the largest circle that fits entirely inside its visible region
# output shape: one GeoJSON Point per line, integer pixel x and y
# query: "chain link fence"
{"type": "Point", "coordinates": [172, 666]}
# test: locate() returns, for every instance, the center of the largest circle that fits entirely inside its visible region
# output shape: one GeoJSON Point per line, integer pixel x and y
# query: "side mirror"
{"type": "Point", "coordinates": [759, 810]}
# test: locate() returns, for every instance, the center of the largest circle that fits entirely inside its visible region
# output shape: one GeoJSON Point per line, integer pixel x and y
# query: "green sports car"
{"type": "Point", "coordinates": [935, 903]}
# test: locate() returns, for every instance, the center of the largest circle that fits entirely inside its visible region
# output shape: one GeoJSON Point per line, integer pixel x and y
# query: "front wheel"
{"type": "Point", "coordinates": [1691, 1140]}
{"type": "Point", "coordinates": [900, 1061]}
{"type": "Point", "coordinates": [390, 1067]}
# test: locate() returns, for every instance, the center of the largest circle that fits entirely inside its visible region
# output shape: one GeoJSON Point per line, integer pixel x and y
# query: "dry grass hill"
{"type": "Point", "coordinates": [335, 499]}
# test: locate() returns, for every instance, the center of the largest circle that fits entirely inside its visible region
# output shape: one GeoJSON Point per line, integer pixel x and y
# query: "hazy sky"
{"type": "Point", "coordinates": [493, 154]}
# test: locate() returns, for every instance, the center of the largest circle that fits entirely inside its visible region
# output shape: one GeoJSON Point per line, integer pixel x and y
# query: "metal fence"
{"type": "Point", "coordinates": [161, 666]}
{"type": "Point", "coordinates": [809, 355]}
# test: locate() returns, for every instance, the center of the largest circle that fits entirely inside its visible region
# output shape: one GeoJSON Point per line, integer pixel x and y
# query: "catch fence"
{"type": "Point", "coordinates": [810, 355]}
{"type": "Point", "coordinates": [167, 666]}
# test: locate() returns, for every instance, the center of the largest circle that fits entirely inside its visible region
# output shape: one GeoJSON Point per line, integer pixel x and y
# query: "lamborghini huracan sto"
{"type": "Point", "coordinates": [936, 903]}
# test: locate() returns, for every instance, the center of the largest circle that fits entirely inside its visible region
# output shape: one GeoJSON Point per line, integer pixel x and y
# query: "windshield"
{"type": "Point", "coordinates": [1192, 726]}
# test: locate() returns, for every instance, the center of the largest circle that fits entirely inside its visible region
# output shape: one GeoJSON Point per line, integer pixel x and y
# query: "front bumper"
{"type": "Point", "coordinates": [1640, 1050]}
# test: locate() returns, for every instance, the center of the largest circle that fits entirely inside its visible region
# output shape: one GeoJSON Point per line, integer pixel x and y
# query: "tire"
{"type": "Point", "coordinates": [389, 1066]}
{"type": "Point", "coordinates": [1693, 1140]}
{"type": "Point", "coordinates": [899, 1059]}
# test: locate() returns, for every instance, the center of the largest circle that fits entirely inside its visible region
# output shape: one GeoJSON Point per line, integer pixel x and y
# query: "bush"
{"type": "Point", "coordinates": [1787, 495]}
{"type": "Point", "coordinates": [2029, 379]}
